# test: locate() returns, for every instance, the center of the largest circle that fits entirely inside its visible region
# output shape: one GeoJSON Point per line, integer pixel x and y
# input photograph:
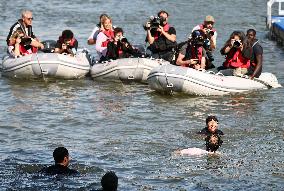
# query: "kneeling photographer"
{"type": "Point", "coordinates": [119, 47]}
{"type": "Point", "coordinates": [193, 53]}
{"type": "Point", "coordinates": [66, 43]}
{"type": "Point", "coordinates": [210, 35]}
{"type": "Point", "coordinates": [238, 52]}
{"type": "Point", "coordinates": [161, 36]}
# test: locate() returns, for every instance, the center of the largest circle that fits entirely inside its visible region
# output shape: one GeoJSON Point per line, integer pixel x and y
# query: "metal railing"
{"type": "Point", "coordinates": [269, 7]}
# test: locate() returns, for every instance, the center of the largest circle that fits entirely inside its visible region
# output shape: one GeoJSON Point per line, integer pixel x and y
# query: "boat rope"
{"type": "Point", "coordinates": [169, 85]}
{"type": "Point", "coordinates": [41, 70]}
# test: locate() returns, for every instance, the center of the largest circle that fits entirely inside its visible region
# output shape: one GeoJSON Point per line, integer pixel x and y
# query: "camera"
{"type": "Point", "coordinates": [155, 22]}
{"type": "Point", "coordinates": [25, 41]}
{"type": "Point", "coordinates": [209, 32]}
{"type": "Point", "coordinates": [237, 43]}
{"type": "Point", "coordinates": [123, 39]}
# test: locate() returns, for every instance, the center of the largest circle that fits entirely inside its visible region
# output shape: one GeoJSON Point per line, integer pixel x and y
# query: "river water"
{"type": "Point", "coordinates": [129, 128]}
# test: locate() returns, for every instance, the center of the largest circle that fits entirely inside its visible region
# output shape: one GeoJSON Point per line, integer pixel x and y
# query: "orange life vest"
{"type": "Point", "coordinates": [235, 59]}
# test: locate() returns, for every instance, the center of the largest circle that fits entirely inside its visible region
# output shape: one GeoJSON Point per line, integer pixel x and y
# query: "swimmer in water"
{"type": "Point", "coordinates": [61, 159]}
{"type": "Point", "coordinates": [211, 126]}
{"type": "Point", "coordinates": [213, 142]}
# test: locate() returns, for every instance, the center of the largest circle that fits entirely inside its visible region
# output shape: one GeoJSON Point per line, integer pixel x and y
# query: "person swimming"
{"type": "Point", "coordinates": [211, 126]}
{"type": "Point", "coordinates": [212, 143]}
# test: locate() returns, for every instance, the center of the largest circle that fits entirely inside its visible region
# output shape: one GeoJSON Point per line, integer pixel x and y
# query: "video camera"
{"type": "Point", "coordinates": [155, 22]}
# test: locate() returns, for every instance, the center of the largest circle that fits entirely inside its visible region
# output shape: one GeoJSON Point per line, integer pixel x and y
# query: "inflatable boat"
{"type": "Point", "coordinates": [125, 69]}
{"type": "Point", "coordinates": [48, 65]}
{"type": "Point", "coordinates": [170, 78]}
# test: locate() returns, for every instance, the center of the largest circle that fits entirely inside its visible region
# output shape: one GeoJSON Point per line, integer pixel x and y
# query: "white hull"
{"type": "Point", "coordinates": [49, 65]}
{"type": "Point", "coordinates": [125, 69]}
{"type": "Point", "coordinates": [170, 78]}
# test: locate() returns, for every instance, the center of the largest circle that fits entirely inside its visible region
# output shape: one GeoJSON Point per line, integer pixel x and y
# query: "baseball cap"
{"type": "Point", "coordinates": [209, 18]}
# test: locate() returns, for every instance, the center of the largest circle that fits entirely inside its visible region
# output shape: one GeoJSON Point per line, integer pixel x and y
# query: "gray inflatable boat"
{"type": "Point", "coordinates": [125, 69]}
{"type": "Point", "coordinates": [49, 65]}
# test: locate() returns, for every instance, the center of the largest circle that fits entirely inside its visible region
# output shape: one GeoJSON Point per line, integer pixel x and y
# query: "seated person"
{"type": "Point", "coordinates": [211, 126]}
{"type": "Point", "coordinates": [25, 26]}
{"type": "Point", "coordinates": [66, 44]}
{"type": "Point", "coordinates": [104, 37]}
{"type": "Point", "coordinates": [193, 54]}
{"type": "Point", "coordinates": [19, 45]}
{"type": "Point", "coordinates": [98, 28]}
{"type": "Point", "coordinates": [119, 47]}
{"type": "Point", "coordinates": [109, 182]}
{"type": "Point", "coordinates": [238, 53]}
{"type": "Point", "coordinates": [213, 142]}
{"type": "Point", "coordinates": [62, 159]}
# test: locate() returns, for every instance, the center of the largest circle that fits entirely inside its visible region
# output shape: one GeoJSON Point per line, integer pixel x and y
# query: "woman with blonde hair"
{"type": "Point", "coordinates": [104, 37]}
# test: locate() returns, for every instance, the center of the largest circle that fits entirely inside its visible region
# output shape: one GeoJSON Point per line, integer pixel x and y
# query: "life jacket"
{"type": "Point", "coordinates": [72, 43]}
{"type": "Point", "coordinates": [25, 51]}
{"type": "Point", "coordinates": [196, 52]}
{"type": "Point", "coordinates": [235, 59]}
{"type": "Point", "coordinates": [109, 34]}
{"type": "Point", "coordinates": [157, 34]}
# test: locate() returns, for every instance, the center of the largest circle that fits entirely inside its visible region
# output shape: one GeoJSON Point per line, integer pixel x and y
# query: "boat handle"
{"type": "Point", "coordinates": [170, 85]}
{"type": "Point", "coordinates": [131, 77]}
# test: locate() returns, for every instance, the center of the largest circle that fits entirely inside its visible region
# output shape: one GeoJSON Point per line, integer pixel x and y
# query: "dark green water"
{"type": "Point", "coordinates": [129, 128]}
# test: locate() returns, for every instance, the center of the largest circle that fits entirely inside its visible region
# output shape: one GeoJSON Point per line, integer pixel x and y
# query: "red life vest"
{"type": "Point", "coordinates": [72, 43]}
{"type": "Point", "coordinates": [195, 55]}
{"type": "Point", "coordinates": [109, 34]}
{"type": "Point", "coordinates": [235, 59]}
{"type": "Point", "coordinates": [166, 29]}
{"type": "Point", "coordinates": [25, 52]}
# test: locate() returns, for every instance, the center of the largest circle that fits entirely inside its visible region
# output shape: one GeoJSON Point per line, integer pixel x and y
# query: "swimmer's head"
{"type": "Point", "coordinates": [213, 142]}
{"type": "Point", "coordinates": [212, 123]}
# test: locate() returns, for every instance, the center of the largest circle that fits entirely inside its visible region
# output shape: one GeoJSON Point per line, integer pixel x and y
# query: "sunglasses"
{"type": "Point", "coordinates": [30, 19]}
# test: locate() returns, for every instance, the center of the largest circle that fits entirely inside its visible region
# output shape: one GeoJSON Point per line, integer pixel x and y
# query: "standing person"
{"type": "Point", "coordinates": [255, 68]}
{"type": "Point", "coordinates": [61, 159]}
{"type": "Point", "coordinates": [210, 38]}
{"type": "Point", "coordinates": [25, 25]}
{"type": "Point", "coordinates": [238, 52]}
{"type": "Point", "coordinates": [97, 29]}
{"type": "Point", "coordinates": [66, 43]}
{"type": "Point", "coordinates": [161, 36]}
{"type": "Point", "coordinates": [104, 37]}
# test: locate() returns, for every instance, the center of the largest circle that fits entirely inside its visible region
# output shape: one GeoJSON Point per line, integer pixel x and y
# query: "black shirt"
{"type": "Point", "coordinates": [58, 169]}
{"type": "Point", "coordinates": [206, 132]}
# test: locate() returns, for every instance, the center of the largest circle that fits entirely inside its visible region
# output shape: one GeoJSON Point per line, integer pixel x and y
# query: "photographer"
{"type": "Point", "coordinates": [25, 26]}
{"type": "Point", "coordinates": [19, 45]}
{"type": "Point", "coordinates": [210, 35]}
{"type": "Point", "coordinates": [238, 53]}
{"type": "Point", "coordinates": [66, 44]}
{"type": "Point", "coordinates": [119, 47]}
{"type": "Point", "coordinates": [161, 36]}
{"type": "Point", "coordinates": [193, 54]}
